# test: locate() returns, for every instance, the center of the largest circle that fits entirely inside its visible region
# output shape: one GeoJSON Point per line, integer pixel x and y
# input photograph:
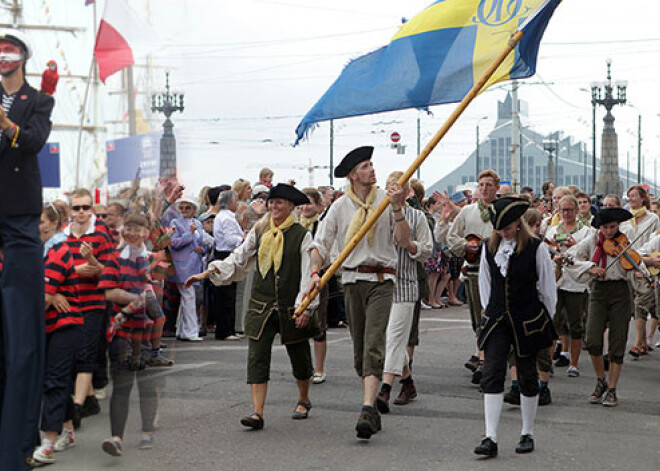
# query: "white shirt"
{"type": "Point", "coordinates": [226, 231]}
{"type": "Point", "coordinates": [467, 222]}
{"type": "Point", "coordinates": [569, 281]}
{"type": "Point", "coordinates": [546, 286]}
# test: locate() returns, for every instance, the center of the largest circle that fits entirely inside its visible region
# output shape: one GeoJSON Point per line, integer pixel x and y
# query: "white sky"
{"type": "Point", "coordinates": [250, 69]}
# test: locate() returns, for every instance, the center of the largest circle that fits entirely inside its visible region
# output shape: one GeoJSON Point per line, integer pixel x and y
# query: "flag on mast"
{"type": "Point", "coordinates": [122, 36]}
{"type": "Point", "coordinates": [436, 58]}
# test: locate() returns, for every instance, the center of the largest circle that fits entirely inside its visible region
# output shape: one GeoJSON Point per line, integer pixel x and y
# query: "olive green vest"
{"type": "Point", "coordinates": [276, 293]}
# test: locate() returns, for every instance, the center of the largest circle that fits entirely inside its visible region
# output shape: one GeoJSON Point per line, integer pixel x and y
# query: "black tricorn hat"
{"type": "Point", "coordinates": [607, 215]}
{"type": "Point", "coordinates": [288, 192]}
{"type": "Point", "coordinates": [503, 211]}
{"type": "Point", "coordinates": [351, 159]}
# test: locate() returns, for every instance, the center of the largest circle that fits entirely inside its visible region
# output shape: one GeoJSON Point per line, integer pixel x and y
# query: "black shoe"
{"type": "Point", "coordinates": [202, 332]}
{"type": "Point", "coordinates": [77, 417]}
{"type": "Point", "coordinates": [250, 421]}
{"type": "Point", "coordinates": [562, 361]}
{"type": "Point", "coordinates": [367, 424]}
{"type": "Point", "coordinates": [383, 402]}
{"type": "Point", "coordinates": [478, 374]}
{"type": "Point", "coordinates": [545, 397]}
{"type": "Point", "coordinates": [525, 445]}
{"type": "Point", "coordinates": [513, 396]}
{"type": "Point", "coordinates": [472, 364]}
{"type": "Point", "coordinates": [90, 407]}
{"type": "Point", "coordinates": [487, 447]}
{"type": "Point", "coordinates": [557, 352]}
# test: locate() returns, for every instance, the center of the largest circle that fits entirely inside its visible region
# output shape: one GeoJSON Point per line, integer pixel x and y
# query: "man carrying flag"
{"type": "Point", "coordinates": [369, 271]}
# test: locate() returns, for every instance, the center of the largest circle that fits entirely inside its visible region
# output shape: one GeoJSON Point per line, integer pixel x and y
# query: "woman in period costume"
{"type": "Point", "coordinates": [280, 246]}
{"type": "Point", "coordinates": [518, 295]}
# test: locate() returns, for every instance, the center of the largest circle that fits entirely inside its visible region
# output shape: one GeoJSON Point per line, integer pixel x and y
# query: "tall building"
{"type": "Point", "coordinates": [571, 159]}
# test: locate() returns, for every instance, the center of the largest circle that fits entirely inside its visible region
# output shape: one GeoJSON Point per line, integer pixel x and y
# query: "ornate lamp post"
{"type": "Point", "coordinates": [477, 163]}
{"type": "Point", "coordinates": [550, 145]}
{"type": "Point", "coordinates": [603, 94]}
{"type": "Point", "coordinates": [167, 103]}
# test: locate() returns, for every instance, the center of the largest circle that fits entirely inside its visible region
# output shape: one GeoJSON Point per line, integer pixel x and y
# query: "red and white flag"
{"type": "Point", "coordinates": [122, 36]}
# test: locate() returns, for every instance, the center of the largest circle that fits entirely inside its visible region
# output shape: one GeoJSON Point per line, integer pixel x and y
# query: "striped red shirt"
{"type": "Point", "coordinates": [90, 297]}
{"type": "Point", "coordinates": [61, 278]}
{"type": "Point", "coordinates": [129, 274]}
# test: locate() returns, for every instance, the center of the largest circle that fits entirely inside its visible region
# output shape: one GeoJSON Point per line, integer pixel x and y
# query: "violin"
{"type": "Point", "coordinates": [654, 270]}
{"type": "Point", "coordinates": [629, 259]}
{"type": "Point", "coordinates": [473, 257]}
{"type": "Point", "coordinates": [554, 247]}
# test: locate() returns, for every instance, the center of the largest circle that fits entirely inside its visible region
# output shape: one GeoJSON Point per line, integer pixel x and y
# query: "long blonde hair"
{"type": "Point", "coordinates": [523, 236]}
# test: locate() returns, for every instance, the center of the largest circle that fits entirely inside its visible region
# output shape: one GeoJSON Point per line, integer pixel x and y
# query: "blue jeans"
{"type": "Point", "coordinates": [22, 338]}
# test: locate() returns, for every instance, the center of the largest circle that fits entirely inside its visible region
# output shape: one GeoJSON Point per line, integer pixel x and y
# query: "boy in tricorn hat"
{"type": "Point", "coordinates": [609, 300]}
{"type": "Point", "coordinates": [369, 270]}
{"type": "Point", "coordinates": [518, 294]}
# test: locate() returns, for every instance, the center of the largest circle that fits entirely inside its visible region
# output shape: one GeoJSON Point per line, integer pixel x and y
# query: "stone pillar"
{"type": "Point", "coordinates": [608, 177]}
{"type": "Point", "coordinates": [168, 151]}
{"type": "Point", "coordinates": [550, 177]}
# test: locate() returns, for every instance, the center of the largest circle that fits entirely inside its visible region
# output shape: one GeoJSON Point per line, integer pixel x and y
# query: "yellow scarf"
{"type": "Point", "coordinates": [271, 248]}
{"type": "Point", "coordinates": [555, 219]}
{"type": "Point", "coordinates": [361, 214]}
{"type": "Point", "coordinates": [637, 213]}
{"type": "Point", "coordinates": [308, 223]}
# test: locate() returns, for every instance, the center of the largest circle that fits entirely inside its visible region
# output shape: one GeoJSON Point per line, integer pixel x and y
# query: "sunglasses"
{"type": "Point", "coordinates": [84, 207]}
{"type": "Point", "coordinates": [102, 215]}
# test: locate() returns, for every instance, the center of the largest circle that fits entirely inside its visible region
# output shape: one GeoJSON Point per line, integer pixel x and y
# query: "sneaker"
{"type": "Point", "coordinates": [610, 399]}
{"type": "Point", "coordinates": [423, 305]}
{"type": "Point", "coordinates": [478, 374]}
{"type": "Point", "coordinates": [159, 360]}
{"type": "Point", "coordinates": [67, 440]}
{"type": "Point", "coordinates": [562, 361]}
{"type": "Point", "coordinates": [112, 447]}
{"type": "Point", "coordinates": [545, 397]}
{"type": "Point", "coordinates": [599, 391]}
{"type": "Point", "coordinates": [146, 442]}
{"type": "Point", "coordinates": [44, 454]}
{"type": "Point", "coordinates": [232, 338]}
{"type": "Point", "coordinates": [513, 396]}
{"type": "Point", "coordinates": [90, 407]}
{"type": "Point", "coordinates": [573, 371]}
{"type": "Point", "coordinates": [473, 363]}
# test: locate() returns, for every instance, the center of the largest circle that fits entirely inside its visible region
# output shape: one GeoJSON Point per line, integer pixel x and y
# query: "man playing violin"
{"type": "Point", "coordinates": [610, 299]}
{"type": "Point", "coordinates": [474, 219]}
{"type": "Point", "coordinates": [571, 294]}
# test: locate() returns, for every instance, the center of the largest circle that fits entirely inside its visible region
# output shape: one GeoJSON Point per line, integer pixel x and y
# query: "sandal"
{"type": "Point", "coordinates": [254, 423]}
{"type": "Point", "coordinates": [297, 415]}
{"type": "Point", "coordinates": [439, 306]}
{"type": "Point", "coordinates": [634, 352]}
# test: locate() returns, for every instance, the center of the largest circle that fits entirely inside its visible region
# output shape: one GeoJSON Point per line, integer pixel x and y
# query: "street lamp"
{"type": "Point", "coordinates": [477, 155]}
{"type": "Point", "coordinates": [602, 94]}
{"type": "Point", "coordinates": [550, 145]}
{"type": "Point", "coordinates": [167, 103]}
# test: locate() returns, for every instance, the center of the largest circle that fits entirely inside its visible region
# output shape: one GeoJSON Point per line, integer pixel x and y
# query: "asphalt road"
{"type": "Point", "coordinates": [206, 395]}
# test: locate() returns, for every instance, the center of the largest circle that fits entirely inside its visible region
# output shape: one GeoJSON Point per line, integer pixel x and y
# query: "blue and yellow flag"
{"type": "Point", "coordinates": [436, 57]}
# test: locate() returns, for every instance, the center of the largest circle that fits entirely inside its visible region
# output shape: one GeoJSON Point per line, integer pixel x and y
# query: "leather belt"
{"type": "Point", "coordinates": [380, 271]}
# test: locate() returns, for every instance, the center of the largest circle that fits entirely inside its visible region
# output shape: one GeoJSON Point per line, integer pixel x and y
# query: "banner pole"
{"type": "Point", "coordinates": [437, 137]}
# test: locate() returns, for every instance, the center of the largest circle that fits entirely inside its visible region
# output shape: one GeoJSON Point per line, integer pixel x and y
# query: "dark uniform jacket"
{"type": "Point", "coordinates": [20, 178]}
{"type": "Point", "coordinates": [275, 295]}
{"type": "Point", "coordinates": [514, 298]}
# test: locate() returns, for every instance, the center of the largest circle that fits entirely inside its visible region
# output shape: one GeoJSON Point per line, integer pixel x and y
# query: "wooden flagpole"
{"type": "Point", "coordinates": [476, 88]}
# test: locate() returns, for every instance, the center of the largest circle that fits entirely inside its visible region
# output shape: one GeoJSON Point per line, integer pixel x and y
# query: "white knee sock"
{"type": "Point", "coordinates": [528, 406]}
{"type": "Point", "coordinates": [492, 411]}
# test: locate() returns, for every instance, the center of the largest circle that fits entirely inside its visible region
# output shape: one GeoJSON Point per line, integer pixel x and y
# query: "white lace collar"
{"type": "Point", "coordinates": [504, 252]}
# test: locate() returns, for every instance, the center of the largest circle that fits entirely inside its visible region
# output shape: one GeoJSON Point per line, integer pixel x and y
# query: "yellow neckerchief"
{"type": "Point", "coordinates": [555, 220]}
{"type": "Point", "coordinates": [637, 213]}
{"type": "Point", "coordinates": [361, 214]}
{"type": "Point", "coordinates": [483, 210]}
{"type": "Point", "coordinates": [308, 223]}
{"type": "Point", "coordinates": [271, 248]}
